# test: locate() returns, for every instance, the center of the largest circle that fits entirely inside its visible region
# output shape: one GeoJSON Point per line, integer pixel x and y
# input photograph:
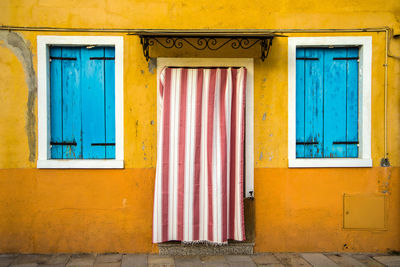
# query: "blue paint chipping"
{"type": "Point", "coordinates": [82, 103]}
{"type": "Point", "coordinates": [327, 102]}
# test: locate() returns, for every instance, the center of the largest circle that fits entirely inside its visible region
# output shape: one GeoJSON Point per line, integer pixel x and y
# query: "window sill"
{"type": "Point", "coordinates": [330, 163]}
{"type": "Point", "coordinates": [80, 164]}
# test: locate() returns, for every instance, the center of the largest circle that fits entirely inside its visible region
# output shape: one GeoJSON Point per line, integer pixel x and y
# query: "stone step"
{"type": "Point", "coordinates": [180, 249]}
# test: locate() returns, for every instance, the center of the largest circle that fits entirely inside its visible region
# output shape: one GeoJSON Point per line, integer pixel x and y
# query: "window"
{"type": "Point", "coordinates": [329, 102]}
{"type": "Point", "coordinates": [80, 102]}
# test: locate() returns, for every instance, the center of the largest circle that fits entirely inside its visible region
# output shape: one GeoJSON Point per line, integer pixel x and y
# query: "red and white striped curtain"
{"type": "Point", "coordinates": [200, 156]}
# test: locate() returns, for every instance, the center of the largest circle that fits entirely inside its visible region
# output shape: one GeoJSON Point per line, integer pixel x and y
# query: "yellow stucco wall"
{"type": "Point", "coordinates": [111, 210]}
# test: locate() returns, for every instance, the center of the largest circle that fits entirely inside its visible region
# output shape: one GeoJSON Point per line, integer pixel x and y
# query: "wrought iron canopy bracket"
{"type": "Point", "coordinates": [211, 42]}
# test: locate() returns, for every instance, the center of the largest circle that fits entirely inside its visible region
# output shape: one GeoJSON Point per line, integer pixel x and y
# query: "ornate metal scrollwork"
{"type": "Point", "coordinates": [265, 46]}
{"type": "Point", "coordinates": [145, 45]}
{"type": "Point", "coordinates": [201, 43]}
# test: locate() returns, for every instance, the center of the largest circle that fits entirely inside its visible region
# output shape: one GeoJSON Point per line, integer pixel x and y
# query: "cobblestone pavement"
{"type": "Point", "coordinates": [136, 260]}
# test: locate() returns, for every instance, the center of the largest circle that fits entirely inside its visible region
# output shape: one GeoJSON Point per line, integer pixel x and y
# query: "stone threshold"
{"type": "Point", "coordinates": [205, 249]}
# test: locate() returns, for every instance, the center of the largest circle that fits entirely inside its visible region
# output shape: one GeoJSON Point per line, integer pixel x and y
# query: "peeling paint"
{"type": "Point", "coordinates": [151, 155]}
{"type": "Point", "coordinates": [144, 151]}
{"type": "Point", "coordinates": [264, 116]}
{"type": "Point", "coordinates": [261, 156]}
{"type": "Point", "coordinates": [384, 184]}
{"type": "Point", "coordinates": [21, 48]}
{"type": "Point", "coordinates": [152, 65]}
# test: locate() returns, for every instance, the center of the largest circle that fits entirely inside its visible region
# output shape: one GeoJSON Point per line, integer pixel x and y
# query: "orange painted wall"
{"type": "Point", "coordinates": [75, 210]}
{"type": "Point", "coordinates": [111, 210]}
{"type": "Point", "coordinates": [302, 210]}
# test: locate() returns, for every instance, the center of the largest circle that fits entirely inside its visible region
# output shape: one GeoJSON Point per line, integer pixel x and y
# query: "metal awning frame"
{"type": "Point", "coordinates": [205, 39]}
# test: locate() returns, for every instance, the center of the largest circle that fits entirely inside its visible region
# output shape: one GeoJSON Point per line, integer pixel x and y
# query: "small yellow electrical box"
{"type": "Point", "coordinates": [364, 211]}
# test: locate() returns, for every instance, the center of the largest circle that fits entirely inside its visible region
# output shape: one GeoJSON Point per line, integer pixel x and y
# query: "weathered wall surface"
{"type": "Point", "coordinates": [111, 210]}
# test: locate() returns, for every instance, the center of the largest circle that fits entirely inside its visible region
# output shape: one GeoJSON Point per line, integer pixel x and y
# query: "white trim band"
{"type": "Point", "coordinates": [326, 163]}
{"type": "Point", "coordinates": [80, 164]}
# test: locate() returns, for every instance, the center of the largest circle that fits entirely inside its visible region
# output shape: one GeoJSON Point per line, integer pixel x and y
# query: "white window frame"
{"type": "Point", "coordinates": [44, 155]}
{"type": "Point", "coordinates": [248, 63]}
{"type": "Point", "coordinates": [364, 126]}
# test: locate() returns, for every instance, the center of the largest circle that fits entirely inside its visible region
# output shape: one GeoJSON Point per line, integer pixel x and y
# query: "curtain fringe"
{"type": "Point", "coordinates": [204, 242]}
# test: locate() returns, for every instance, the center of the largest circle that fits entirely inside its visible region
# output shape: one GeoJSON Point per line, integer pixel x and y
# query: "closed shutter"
{"type": "Point", "coordinates": [82, 103]}
{"type": "Point", "coordinates": [327, 102]}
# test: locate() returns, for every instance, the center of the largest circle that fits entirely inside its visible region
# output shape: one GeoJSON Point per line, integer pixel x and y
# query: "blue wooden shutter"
{"type": "Point", "coordinates": [93, 122]}
{"type": "Point", "coordinates": [309, 80]}
{"type": "Point", "coordinates": [82, 104]}
{"type": "Point", "coordinates": [327, 102]}
{"type": "Point", "coordinates": [341, 103]}
{"type": "Point", "coordinates": [65, 103]}
{"type": "Point", "coordinates": [71, 103]}
{"type": "Point", "coordinates": [98, 102]}
{"type": "Point", "coordinates": [335, 103]}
